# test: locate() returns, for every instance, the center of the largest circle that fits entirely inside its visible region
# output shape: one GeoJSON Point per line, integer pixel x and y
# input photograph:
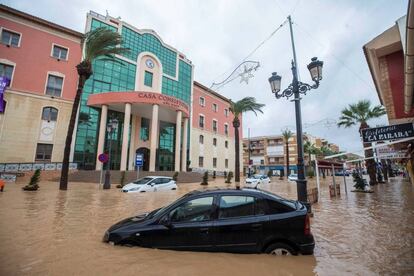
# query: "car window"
{"type": "Point", "coordinates": [236, 206]}
{"type": "Point", "coordinates": [162, 180]}
{"type": "Point", "coordinates": [260, 207]}
{"type": "Point", "coordinates": [278, 207]}
{"type": "Point", "coordinates": [199, 209]}
{"type": "Point", "coordinates": [143, 180]}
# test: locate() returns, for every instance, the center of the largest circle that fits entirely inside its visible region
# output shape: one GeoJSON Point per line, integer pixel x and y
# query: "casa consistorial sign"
{"type": "Point", "coordinates": [386, 133]}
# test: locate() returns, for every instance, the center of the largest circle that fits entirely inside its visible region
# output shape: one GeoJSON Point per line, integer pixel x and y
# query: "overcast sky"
{"type": "Point", "coordinates": [217, 35]}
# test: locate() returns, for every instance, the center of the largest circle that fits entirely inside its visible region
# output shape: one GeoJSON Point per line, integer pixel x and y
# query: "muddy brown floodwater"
{"type": "Point", "coordinates": [52, 232]}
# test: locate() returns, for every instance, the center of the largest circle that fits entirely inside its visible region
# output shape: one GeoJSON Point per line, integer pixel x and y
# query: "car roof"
{"type": "Point", "coordinates": [227, 191]}
{"type": "Point", "coordinates": [156, 176]}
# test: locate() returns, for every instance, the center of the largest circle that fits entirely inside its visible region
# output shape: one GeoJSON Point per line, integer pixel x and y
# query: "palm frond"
{"type": "Point", "coordinates": [359, 113]}
{"type": "Point", "coordinates": [103, 42]}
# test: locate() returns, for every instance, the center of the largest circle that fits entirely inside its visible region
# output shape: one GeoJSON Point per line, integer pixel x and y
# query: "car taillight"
{"type": "Point", "coordinates": [307, 225]}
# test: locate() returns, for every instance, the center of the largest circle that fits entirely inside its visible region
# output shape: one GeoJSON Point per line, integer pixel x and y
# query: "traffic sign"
{"type": "Point", "coordinates": [103, 157]}
{"type": "Point", "coordinates": [139, 160]}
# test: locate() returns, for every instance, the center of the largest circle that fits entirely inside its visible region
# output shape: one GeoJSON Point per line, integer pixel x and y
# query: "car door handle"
{"type": "Point", "coordinates": [204, 230]}
{"type": "Point", "coordinates": [257, 226]}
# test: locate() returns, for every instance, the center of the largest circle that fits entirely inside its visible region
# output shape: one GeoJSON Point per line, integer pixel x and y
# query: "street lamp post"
{"type": "Point", "coordinates": [112, 125]}
{"type": "Point", "coordinates": [295, 89]}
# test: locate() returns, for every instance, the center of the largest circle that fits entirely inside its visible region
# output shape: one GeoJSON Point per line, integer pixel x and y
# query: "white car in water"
{"type": "Point", "coordinates": [293, 177]}
{"type": "Point", "coordinates": [256, 179]}
{"type": "Point", "coordinates": [150, 184]}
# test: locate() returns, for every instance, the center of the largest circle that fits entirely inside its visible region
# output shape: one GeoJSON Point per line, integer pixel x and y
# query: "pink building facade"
{"type": "Point", "coordinates": [212, 133]}
{"type": "Point", "coordinates": [39, 58]}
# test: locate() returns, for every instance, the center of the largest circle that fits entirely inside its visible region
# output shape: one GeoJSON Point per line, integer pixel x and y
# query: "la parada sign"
{"type": "Point", "coordinates": [386, 133]}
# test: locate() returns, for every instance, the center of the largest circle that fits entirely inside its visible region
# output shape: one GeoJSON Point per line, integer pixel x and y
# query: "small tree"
{"type": "Point", "coordinates": [122, 180]}
{"type": "Point", "coordinates": [229, 177]}
{"type": "Point", "coordinates": [205, 179]}
{"type": "Point", "coordinates": [269, 173]}
{"type": "Point", "coordinates": [175, 176]}
{"type": "Point", "coordinates": [359, 181]}
{"type": "Point", "coordinates": [34, 180]}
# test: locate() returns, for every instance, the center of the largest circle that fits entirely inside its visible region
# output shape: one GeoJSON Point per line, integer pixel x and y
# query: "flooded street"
{"type": "Point", "coordinates": [52, 232]}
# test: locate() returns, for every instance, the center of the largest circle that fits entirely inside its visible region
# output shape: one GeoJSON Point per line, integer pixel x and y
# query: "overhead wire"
{"type": "Point", "coordinates": [251, 53]}
{"type": "Point", "coordinates": [335, 57]}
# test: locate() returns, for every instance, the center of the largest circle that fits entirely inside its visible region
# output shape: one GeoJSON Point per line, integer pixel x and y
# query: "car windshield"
{"type": "Point", "coordinates": [143, 180]}
{"type": "Point", "coordinates": [256, 176]}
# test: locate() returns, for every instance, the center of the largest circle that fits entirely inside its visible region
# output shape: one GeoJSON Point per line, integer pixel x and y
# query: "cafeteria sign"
{"type": "Point", "coordinates": [392, 132]}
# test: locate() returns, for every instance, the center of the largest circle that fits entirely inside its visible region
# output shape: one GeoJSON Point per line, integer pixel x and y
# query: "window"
{"type": "Point", "coordinates": [226, 129]}
{"type": "Point", "coordinates": [44, 152]}
{"type": "Point", "coordinates": [236, 206]}
{"type": "Point", "coordinates": [226, 163]}
{"type": "Point", "coordinates": [200, 161]}
{"type": "Point", "coordinates": [199, 209]}
{"type": "Point", "coordinates": [6, 71]}
{"type": "Point", "coordinates": [226, 112]}
{"type": "Point", "coordinates": [148, 76]}
{"type": "Point", "coordinates": [215, 107]}
{"type": "Point", "coordinates": [144, 131]}
{"type": "Point", "coordinates": [54, 86]}
{"type": "Point", "coordinates": [277, 208]}
{"type": "Point", "coordinates": [49, 114]}
{"type": "Point", "coordinates": [201, 121]}
{"type": "Point", "coordinates": [214, 125]}
{"type": "Point", "coordinates": [201, 139]}
{"type": "Point", "coordinates": [60, 52]}
{"type": "Point", "coordinates": [10, 38]}
{"type": "Point", "coordinates": [226, 144]}
{"type": "Point", "coordinates": [214, 141]}
{"type": "Point", "coordinates": [202, 101]}
{"type": "Point", "coordinates": [214, 162]}
{"type": "Point", "coordinates": [261, 162]}
{"type": "Point", "coordinates": [159, 181]}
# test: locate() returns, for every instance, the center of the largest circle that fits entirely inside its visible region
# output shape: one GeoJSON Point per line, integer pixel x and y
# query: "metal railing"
{"type": "Point", "coordinates": [25, 167]}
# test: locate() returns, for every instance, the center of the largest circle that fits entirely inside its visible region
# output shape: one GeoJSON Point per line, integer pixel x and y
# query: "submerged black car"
{"type": "Point", "coordinates": [224, 220]}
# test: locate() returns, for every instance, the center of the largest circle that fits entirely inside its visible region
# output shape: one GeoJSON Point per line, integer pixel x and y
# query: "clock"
{"type": "Point", "coordinates": [149, 63]}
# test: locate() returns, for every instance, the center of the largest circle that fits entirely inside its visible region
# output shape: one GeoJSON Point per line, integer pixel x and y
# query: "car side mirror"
{"type": "Point", "coordinates": [166, 221]}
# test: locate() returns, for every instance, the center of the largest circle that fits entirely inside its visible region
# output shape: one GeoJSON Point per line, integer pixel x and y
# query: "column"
{"type": "Point", "coordinates": [154, 137]}
{"type": "Point", "coordinates": [131, 163]}
{"type": "Point", "coordinates": [178, 141]}
{"type": "Point", "coordinates": [125, 134]}
{"type": "Point", "coordinates": [101, 137]}
{"type": "Point", "coordinates": [184, 149]}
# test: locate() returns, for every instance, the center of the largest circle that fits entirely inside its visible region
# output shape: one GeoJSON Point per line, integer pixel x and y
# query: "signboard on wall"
{"type": "Point", "coordinates": [389, 153]}
{"type": "Point", "coordinates": [386, 133]}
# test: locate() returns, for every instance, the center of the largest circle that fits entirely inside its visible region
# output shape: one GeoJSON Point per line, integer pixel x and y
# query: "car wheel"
{"type": "Point", "coordinates": [142, 191]}
{"type": "Point", "coordinates": [174, 189]}
{"type": "Point", "coordinates": [280, 249]}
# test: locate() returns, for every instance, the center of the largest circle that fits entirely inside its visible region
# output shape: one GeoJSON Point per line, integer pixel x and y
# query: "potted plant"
{"type": "Point", "coordinates": [34, 180]}
{"type": "Point", "coordinates": [205, 179]}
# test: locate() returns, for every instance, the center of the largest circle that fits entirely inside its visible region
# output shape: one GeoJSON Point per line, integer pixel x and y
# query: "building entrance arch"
{"type": "Point", "coordinates": [146, 153]}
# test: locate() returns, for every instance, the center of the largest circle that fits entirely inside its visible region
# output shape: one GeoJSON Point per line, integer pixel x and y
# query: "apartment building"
{"type": "Point", "coordinates": [269, 153]}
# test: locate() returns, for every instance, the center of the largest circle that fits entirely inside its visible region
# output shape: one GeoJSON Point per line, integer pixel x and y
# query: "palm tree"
{"type": "Point", "coordinates": [310, 149]}
{"type": "Point", "coordinates": [359, 114]}
{"type": "Point", "coordinates": [237, 108]}
{"type": "Point", "coordinates": [100, 42]}
{"type": "Point", "coordinates": [287, 134]}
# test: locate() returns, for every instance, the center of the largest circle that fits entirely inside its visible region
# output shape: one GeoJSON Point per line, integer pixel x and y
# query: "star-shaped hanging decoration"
{"type": "Point", "coordinates": [246, 75]}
